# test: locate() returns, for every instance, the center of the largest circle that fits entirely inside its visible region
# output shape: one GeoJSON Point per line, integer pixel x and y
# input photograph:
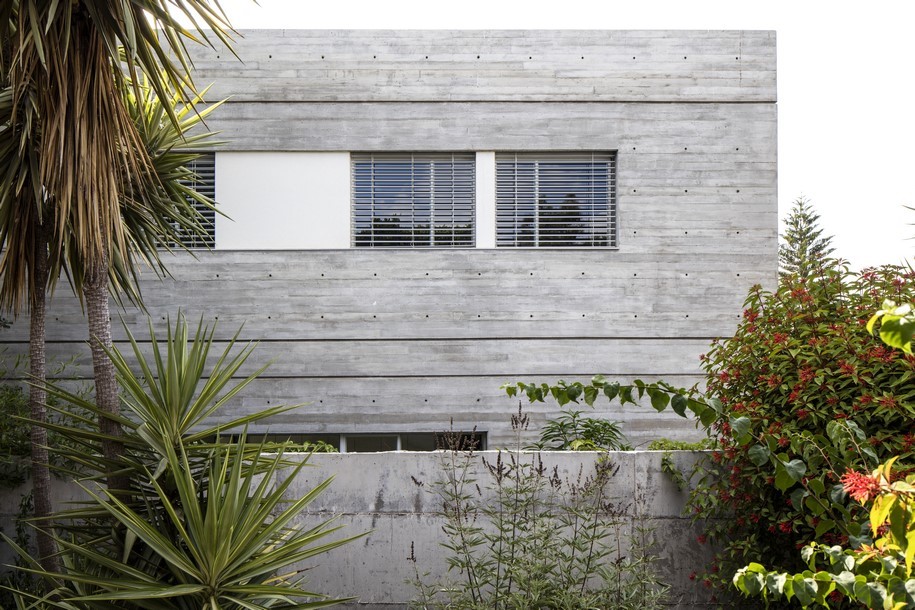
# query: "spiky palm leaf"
{"type": "Point", "coordinates": [181, 384]}
{"type": "Point", "coordinates": [206, 524]}
{"type": "Point", "coordinates": [67, 64]}
{"type": "Point", "coordinates": [220, 543]}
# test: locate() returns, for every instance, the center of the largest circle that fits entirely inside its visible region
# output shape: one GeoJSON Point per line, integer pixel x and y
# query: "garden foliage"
{"type": "Point", "coordinates": [800, 394]}
{"type": "Point", "coordinates": [204, 524]}
{"type": "Point", "coordinates": [521, 536]}
{"type": "Point", "coordinates": [813, 394]}
{"type": "Point", "coordinates": [877, 574]}
{"type": "Point", "coordinates": [804, 248]}
{"type": "Point", "coordinates": [571, 430]}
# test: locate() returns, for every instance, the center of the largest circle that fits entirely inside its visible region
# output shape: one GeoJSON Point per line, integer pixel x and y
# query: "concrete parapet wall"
{"type": "Point", "coordinates": [388, 497]}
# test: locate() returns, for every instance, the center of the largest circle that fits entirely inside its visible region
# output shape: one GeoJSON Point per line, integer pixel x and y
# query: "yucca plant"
{"type": "Point", "coordinates": [204, 524]}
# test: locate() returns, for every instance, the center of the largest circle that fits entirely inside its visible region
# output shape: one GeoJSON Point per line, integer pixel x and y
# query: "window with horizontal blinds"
{"type": "Point", "coordinates": [413, 200]}
{"type": "Point", "coordinates": [546, 200]}
{"type": "Point", "coordinates": [203, 181]}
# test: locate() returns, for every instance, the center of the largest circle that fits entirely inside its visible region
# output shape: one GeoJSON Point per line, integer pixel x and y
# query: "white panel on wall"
{"type": "Point", "coordinates": [486, 199]}
{"type": "Point", "coordinates": [283, 200]}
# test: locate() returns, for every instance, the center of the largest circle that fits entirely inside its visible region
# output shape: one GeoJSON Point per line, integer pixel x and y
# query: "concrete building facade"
{"type": "Point", "coordinates": [415, 217]}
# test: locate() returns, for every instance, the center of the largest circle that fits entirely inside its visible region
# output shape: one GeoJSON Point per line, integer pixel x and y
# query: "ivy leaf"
{"type": "Point", "coordinates": [796, 469]}
{"type": "Point", "coordinates": [825, 525]}
{"type": "Point", "coordinates": [740, 429]}
{"type": "Point", "coordinates": [862, 593]}
{"type": "Point", "coordinates": [678, 404]}
{"type": "Point", "coordinates": [759, 454]}
{"type": "Point", "coordinates": [640, 386]}
{"type": "Point", "coordinates": [814, 506]}
{"type": "Point", "coordinates": [897, 332]}
{"type": "Point", "coordinates": [808, 552]}
{"type": "Point", "coordinates": [708, 417]}
{"type": "Point", "coordinates": [715, 404]}
{"type": "Point", "coordinates": [598, 381]}
{"type": "Point", "coordinates": [817, 486]}
{"type": "Point", "coordinates": [776, 583]}
{"type": "Point", "coordinates": [789, 473]}
{"type": "Point", "coordinates": [805, 589]}
{"type": "Point", "coordinates": [590, 395]}
{"type": "Point", "coordinates": [611, 390]}
{"type": "Point", "coordinates": [659, 399]}
{"type": "Point", "coordinates": [845, 580]}
{"type": "Point", "coordinates": [752, 583]}
{"type": "Point", "coordinates": [574, 391]}
{"type": "Point", "coordinates": [797, 497]}
{"type": "Point", "coordinates": [510, 389]}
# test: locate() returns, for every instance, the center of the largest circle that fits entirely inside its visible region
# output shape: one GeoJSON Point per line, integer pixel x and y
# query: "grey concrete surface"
{"type": "Point", "coordinates": [387, 496]}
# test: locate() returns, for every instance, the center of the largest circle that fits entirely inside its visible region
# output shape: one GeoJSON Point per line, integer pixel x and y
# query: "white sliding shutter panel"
{"type": "Point", "coordinates": [204, 182]}
{"type": "Point", "coordinates": [551, 200]}
{"type": "Point", "coordinates": [413, 200]}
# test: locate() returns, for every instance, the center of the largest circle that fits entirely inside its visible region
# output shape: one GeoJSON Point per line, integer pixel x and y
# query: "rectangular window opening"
{"type": "Point", "coordinates": [556, 200]}
{"type": "Point", "coordinates": [413, 200]}
{"type": "Point", "coordinates": [202, 179]}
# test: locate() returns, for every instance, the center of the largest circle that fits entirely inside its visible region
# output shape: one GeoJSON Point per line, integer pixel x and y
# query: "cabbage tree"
{"type": "Point", "coordinates": [81, 180]}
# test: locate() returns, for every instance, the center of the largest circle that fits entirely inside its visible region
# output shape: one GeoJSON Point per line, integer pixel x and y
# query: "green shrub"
{"type": "Point", "coordinates": [534, 539]}
{"type": "Point", "coordinates": [203, 525]}
{"type": "Point", "coordinates": [801, 393]}
{"type": "Point", "coordinates": [666, 444]}
{"type": "Point", "coordinates": [818, 395]}
{"type": "Point", "coordinates": [877, 575]}
{"type": "Point", "coordinates": [571, 431]}
{"type": "Point", "coordinates": [15, 446]}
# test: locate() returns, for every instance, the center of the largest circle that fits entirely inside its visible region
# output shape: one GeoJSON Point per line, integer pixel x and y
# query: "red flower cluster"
{"type": "Point", "coordinates": [887, 402]}
{"type": "Point", "coordinates": [881, 353]}
{"type": "Point", "coordinates": [907, 441]}
{"type": "Point", "coordinates": [862, 487]}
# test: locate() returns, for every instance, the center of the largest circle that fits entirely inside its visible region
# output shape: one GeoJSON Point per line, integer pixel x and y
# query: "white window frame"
{"type": "Point", "coordinates": [533, 181]}
{"type": "Point", "coordinates": [203, 170]}
{"type": "Point", "coordinates": [434, 185]}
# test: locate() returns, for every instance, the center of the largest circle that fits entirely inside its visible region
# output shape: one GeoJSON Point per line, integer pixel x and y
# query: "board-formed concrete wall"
{"type": "Point", "coordinates": [398, 341]}
{"type": "Point", "coordinates": [387, 496]}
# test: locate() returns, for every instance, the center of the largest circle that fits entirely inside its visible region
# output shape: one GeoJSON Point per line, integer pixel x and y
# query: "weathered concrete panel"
{"type": "Point", "coordinates": [715, 129]}
{"type": "Point", "coordinates": [401, 341]}
{"type": "Point", "coordinates": [377, 338]}
{"type": "Point", "coordinates": [487, 65]}
{"type": "Point", "coordinates": [387, 496]}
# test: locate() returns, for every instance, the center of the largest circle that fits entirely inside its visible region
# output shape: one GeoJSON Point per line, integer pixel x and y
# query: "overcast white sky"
{"type": "Point", "coordinates": [845, 87]}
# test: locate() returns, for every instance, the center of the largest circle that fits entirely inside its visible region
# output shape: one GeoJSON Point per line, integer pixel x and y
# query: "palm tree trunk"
{"type": "Point", "coordinates": [95, 291]}
{"type": "Point", "coordinates": [41, 476]}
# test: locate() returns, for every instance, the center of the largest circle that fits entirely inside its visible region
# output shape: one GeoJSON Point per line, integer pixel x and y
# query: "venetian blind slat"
{"type": "Point", "coordinates": [556, 199]}
{"type": "Point", "coordinates": [419, 200]}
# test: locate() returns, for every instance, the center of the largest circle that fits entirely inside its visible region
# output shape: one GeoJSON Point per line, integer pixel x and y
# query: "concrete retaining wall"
{"type": "Point", "coordinates": [388, 496]}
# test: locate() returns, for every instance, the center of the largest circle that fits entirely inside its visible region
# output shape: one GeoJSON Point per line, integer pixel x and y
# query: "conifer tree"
{"type": "Point", "coordinates": [804, 248]}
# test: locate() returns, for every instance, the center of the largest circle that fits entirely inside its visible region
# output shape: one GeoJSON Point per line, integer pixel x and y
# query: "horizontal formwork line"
{"type": "Point", "coordinates": [766, 101]}
{"type": "Point", "coordinates": [648, 377]}
{"type": "Point", "coordinates": [391, 340]}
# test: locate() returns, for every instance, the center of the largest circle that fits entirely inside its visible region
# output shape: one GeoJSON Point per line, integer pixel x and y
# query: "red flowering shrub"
{"type": "Point", "coordinates": [817, 396]}
{"type": "Point", "coordinates": [801, 394]}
